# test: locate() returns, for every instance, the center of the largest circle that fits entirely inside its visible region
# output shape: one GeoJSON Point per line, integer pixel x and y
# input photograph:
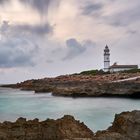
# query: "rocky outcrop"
{"type": "Point", "coordinates": [126, 126]}
{"type": "Point", "coordinates": [66, 128]}
{"type": "Point", "coordinates": [85, 86]}
{"type": "Point", "coordinates": [121, 89]}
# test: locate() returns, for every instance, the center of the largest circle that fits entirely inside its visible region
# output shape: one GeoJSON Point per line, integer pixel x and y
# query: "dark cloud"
{"type": "Point", "coordinates": [75, 48]}
{"type": "Point", "coordinates": [122, 17]}
{"type": "Point", "coordinates": [91, 8]}
{"type": "Point", "coordinates": [41, 6]}
{"type": "Point", "coordinates": [132, 32]}
{"type": "Point", "coordinates": [4, 26]}
{"type": "Point", "coordinates": [16, 54]}
{"type": "Point", "coordinates": [4, 1]}
{"type": "Point", "coordinates": [26, 29]}
{"type": "Point", "coordinates": [125, 18]}
{"type": "Point", "coordinates": [43, 29]}
{"type": "Point", "coordinates": [17, 49]}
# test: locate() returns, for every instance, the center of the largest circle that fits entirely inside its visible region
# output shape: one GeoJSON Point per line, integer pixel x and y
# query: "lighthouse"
{"type": "Point", "coordinates": [106, 59]}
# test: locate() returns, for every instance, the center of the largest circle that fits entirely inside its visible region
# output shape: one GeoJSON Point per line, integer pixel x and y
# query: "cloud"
{"type": "Point", "coordinates": [50, 61]}
{"type": "Point", "coordinates": [43, 29]}
{"type": "Point", "coordinates": [125, 14]}
{"type": "Point", "coordinates": [112, 12]}
{"type": "Point", "coordinates": [3, 1]}
{"type": "Point", "coordinates": [29, 39]}
{"type": "Point", "coordinates": [132, 32]}
{"type": "Point", "coordinates": [17, 47]}
{"type": "Point", "coordinates": [75, 48]}
{"type": "Point", "coordinates": [125, 18]}
{"type": "Point", "coordinates": [91, 8]}
{"type": "Point", "coordinates": [17, 54]}
{"type": "Point", "coordinates": [41, 6]}
{"type": "Point", "coordinates": [26, 29]}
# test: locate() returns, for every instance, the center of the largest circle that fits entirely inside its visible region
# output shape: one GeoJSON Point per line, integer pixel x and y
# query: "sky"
{"type": "Point", "coordinates": [47, 38]}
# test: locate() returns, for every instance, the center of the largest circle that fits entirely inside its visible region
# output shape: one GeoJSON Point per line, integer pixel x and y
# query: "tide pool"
{"type": "Point", "coordinates": [96, 113]}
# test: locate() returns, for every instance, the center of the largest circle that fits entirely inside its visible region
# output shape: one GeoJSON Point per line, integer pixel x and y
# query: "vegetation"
{"type": "Point", "coordinates": [131, 71]}
{"type": "Point", "coordinates": [94, 72]}
{"type": "Point", "coordinates": [101, 72]}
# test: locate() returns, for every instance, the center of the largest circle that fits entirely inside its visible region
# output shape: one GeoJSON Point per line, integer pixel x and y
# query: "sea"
{"type": "Point", "coordinates": [96, 113]}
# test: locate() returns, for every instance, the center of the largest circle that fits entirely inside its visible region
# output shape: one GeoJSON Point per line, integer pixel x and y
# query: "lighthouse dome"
{"type": "Point", "coordinates": [106, 49]}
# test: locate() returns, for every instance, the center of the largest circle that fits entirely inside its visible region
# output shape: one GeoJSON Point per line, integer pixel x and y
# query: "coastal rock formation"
{"type": "Point", "coordinates": [66, 128]}
{"type": "Point", "coordinates": [86, 85]}
{"type": "Point", "coordinates": [121, 89]}
{"type": "Point", "coordinates": [126, 126]}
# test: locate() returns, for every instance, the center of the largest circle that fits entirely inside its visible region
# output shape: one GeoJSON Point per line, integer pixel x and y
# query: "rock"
{"type": "Point", "coordinates": [126, 126]}
{"type": "Point", "coordinates": [85, 85]}
{"type": "Point", "coordinates": [92, 89]}
{"type": "Point", "coordinates": [61, 129]}
{"type": "Point", "coordinates": [21, 120]}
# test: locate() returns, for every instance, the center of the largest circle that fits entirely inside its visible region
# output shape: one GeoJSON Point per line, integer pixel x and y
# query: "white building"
{"type": "Point", "coordinates": [115, 67]}
{"type": "Point", "coordinates": [106, 58]}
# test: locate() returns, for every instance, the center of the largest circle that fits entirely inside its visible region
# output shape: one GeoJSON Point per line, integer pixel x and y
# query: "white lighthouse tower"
{"type": "Point", "coordinates": [106, 59]}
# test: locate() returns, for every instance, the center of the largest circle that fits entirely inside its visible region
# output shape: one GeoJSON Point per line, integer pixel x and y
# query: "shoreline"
{"type": "Point", "coordinates": [67, 127]}
{"type": "Point", "coordinates": [84, 86]}
{"type": "Point", "coordinates": [126, 96]}
{"type": "Point", "coordinates": [126, 126]}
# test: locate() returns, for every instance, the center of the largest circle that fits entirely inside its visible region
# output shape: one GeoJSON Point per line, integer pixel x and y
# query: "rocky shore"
{"type": "Point", "coordinates": [86, 85]}
{"type": "Point", "coordinates": [126, 126]}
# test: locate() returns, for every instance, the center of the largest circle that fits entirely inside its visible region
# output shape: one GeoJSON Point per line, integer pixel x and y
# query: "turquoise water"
{"type": "Point", "coordinates": [96, 113]}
